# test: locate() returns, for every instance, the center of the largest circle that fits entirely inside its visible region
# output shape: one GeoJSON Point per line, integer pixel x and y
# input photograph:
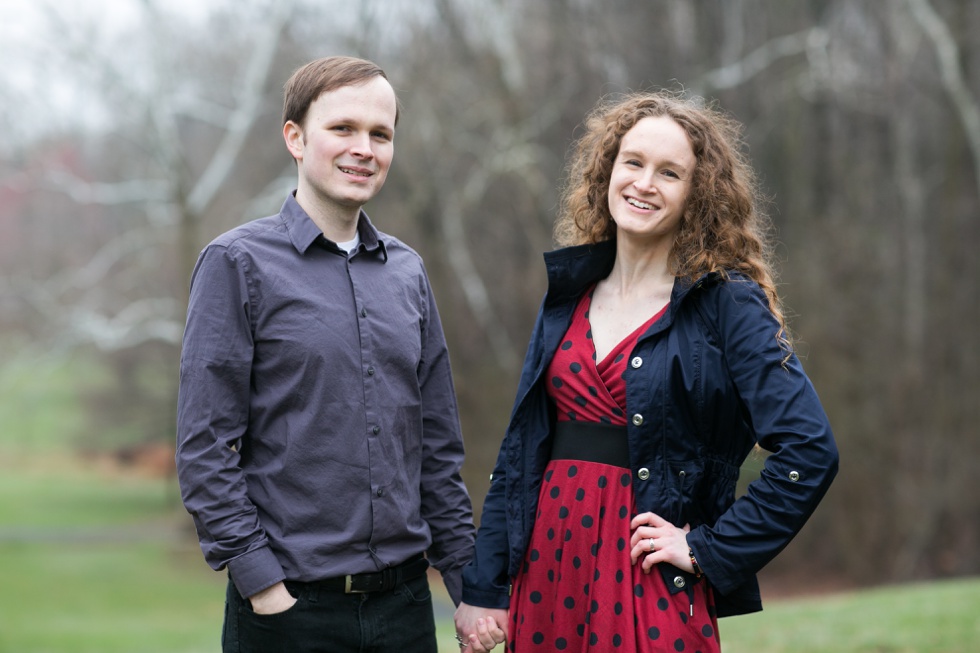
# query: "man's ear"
{"type": "Point", "coordinates": [293, 135]}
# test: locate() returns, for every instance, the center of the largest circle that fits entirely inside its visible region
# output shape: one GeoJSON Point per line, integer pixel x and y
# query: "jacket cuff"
{"type": "Point", "coordinates": [494, 599]}
{"type": "Point", "coordinates": [255, 571]}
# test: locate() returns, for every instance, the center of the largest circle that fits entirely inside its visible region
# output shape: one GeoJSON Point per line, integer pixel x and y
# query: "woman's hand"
{"type": "Point", "coordinates": [480, 629]}
{"type": "Point", "coordinates": [656, 540]}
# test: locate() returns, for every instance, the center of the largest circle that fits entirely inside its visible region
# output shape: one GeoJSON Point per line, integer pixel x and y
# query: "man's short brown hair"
{"type": "Point", "coordinates": [323, 75]}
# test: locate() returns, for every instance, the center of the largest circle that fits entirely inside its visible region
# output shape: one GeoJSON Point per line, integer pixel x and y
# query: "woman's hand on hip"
{"type": "Point", "coordinates": [656, 540]}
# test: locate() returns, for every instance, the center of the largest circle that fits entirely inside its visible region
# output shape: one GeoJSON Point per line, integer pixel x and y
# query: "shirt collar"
{"type": "Point", "coordinates": [303, 232]}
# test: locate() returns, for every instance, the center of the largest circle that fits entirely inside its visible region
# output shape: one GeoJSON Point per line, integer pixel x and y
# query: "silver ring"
{"type": "Point", "coordinates": [651, 544]}
{"type": "Point", "coordinates": [462, 644]}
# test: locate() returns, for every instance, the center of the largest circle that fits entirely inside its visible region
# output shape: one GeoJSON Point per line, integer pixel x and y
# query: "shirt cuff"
{"type": "Point", "coordinates": [255, 571]}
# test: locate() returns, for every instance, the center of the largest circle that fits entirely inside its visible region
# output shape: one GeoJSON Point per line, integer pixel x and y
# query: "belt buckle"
{"type": "Point", "coordinates": [348, 588]}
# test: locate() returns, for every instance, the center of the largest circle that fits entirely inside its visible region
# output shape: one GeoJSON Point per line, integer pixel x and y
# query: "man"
{"type": "Point", "coordinates": [319, 447]}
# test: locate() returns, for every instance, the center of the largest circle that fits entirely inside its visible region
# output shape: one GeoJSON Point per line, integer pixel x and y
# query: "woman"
{"type": "Point", "coordinates": [659, 360]}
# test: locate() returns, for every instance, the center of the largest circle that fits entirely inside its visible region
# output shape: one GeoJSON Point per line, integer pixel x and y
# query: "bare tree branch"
{"type": "Point", "coordinates": [741, 71]}
{"type": "Point", "coordinates": [948, 54]}
{"type": "Point", "coordinates": [253, 94]}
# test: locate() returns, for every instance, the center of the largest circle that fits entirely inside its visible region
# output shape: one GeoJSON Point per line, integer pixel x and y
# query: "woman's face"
{"type": "Point", "coordinates": [651, 179]}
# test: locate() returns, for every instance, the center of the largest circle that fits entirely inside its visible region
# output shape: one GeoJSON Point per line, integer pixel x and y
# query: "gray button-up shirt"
{"type": "Point", "coordinates": [317, 427]}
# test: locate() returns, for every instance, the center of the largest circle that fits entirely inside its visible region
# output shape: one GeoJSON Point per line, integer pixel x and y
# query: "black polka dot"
{"type": "Point", "coordinates": [596, 547]}
{"type": "Point", "coordinates": [603, 481]}
{"type": "Point", "coordinates": [619, 357]}
{"type": "Point", "coordinates": [537, 638]}
{"type": "Point", "coordinates": [572, 471]}
{"type": "Point", "coordinates": [580, 629]}
{"type": "Point", "coordinates": [708, 631]}
{"type": "Point", "coordinates": [618, 608]}
{"type": "Point", "coordinates": [620, 576]}
{"type": "Point", "coordinates": [623, 512]}
{"type": "Point", "coordinates": [625, 480]}
{"type": "Point", "coordinates": [588, 334]}
{"type": "Point", "coordinates": [558, 555]}
{"type": "Point", "coordinates": [602, 512]}
{"type": "Point", "coordinates": [575, 368]}
{"type": "Point", "coordinates": [571, 415]}
{"type": "Point", "coordinates": [617, 412]}
{"type": "Point", "coordinates": [535, 597]}
{"type": "Point", "coordinates": [561, 644]}
{"type": "Point", "coordinates": [593, 639]}
{"type": "Point", "coordinates": [654, 633]}
{"type": "Point", "coordinates": [576, 562]}
{"type": "Point", "coordinates": [555, 491]}
{"type": "Point", "coordinates": [580, 494]}
{"type": "Point", "coordinates": [587, 522]}
{"type": "Point", "coordinates": [596, 575]}
{"type": "Point", "coordinates": [551, 533]}
{"type": "Point", "coordinates": [593, 391]}
{"type": "Point", "coordinates": [555, 381]}
{"type": "Point", "coordinates": [568, 534]}
{"type": "Point", "coordinates": [679, 645]}
{"type": "Point", "coordinates": [683, 616]}
{"type": "Point", "coordinates": [595, 607]}
{"type": "Point", "coordinates": [638, 590]}
{"type": "Point", "coordinates": [547, 475]}
{"type": "Point", "coordinates": [565, 346]}
{"type": "Point", "coordinates": [617, 641]}
{"type": "Point", "coordinates": [662, 604]}
{"type": "Point", "coordinates": [585, 590]}
{"type": "Point", "coordinates": [621, 543]}
{"type": "Point", "coordinates": [605, 420]}
{"type": "Point", "coordinates": [551, 575]}
{"type": "Point", "coordinates": [535, 555]}
{"type": "Point", "coordinates": [563, 512]}
{"type": "Point", "coordinates": [581, 401]}
{"type": "Point", "coordinates": [569, 602]}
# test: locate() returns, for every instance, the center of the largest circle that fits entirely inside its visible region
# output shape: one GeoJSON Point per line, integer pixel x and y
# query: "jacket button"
{"type": "Point", "coordinates": [636, 362]}
{"type": "Point", "coordinates": [637, 419]}
{"type": "Point", "coordinates": [376, 430]}
{"type": "Point", "coordinates": [643, 473]}
{"type": "Point", "coordinates": [794, 476]}
{"type": "Point", "coordinates": [679, 582]}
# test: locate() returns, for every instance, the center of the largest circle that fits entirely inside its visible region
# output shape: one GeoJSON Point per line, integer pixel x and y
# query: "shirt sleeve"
{"type": "Point", "coordinates": [786, 416]}
{"type": "Point", "coordinates": [212, 417]}
{"type": "Point", "coordinates": [445, 503]}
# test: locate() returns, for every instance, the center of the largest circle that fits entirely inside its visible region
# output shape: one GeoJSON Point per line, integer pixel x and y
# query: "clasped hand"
{"type": "Point", "coordinates": [479, 629]}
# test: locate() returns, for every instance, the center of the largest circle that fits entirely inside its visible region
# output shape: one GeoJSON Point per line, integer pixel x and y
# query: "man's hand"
{"type": "Point", "coordinates": [272, 600]}
{"type": "Point", "coordinates": [480, 629]}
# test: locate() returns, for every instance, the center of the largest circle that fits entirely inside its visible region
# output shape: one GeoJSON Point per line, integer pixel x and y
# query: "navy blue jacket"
{"type": "Point", "coordinates": [704, 385]}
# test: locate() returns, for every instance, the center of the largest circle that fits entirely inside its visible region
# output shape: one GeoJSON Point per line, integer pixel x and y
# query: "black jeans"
{"type": "Point", "coordinates": [328, 621]}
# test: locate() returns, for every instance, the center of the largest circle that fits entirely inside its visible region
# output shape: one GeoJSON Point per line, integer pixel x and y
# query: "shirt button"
{"type": "Point", "coordinates": [376, 430]}
{"type": "Point", "coordinates": [679, 582]}
{"type": "Point", "coordinates": [643, 473]}
{"type": "Point", "coordinates": [370, 371]}
{"type": "Point", "coordinates": [363, 312]}
{"type": "Point", "coordinates": [636, 362]}
{"type": "Point", "coordinates": [637, 419]}
{"type": "Point", "coordinates": [794, 476]}
{"type": "Point", "coordinates": [381, 492]}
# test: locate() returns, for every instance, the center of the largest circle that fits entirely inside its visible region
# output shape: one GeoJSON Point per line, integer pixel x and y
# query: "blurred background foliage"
{"type": "Point", "coordinates": [136, 134]}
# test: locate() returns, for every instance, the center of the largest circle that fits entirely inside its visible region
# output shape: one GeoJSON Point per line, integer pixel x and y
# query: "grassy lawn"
{"type": "Point", "coordinates": [99, 563]}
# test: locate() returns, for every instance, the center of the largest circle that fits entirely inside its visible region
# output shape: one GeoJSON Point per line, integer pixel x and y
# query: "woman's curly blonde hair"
{"type": "Point", "coordinates": [724, 227]}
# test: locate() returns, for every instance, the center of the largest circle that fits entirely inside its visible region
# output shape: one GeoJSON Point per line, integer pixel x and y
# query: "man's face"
{"type": "Point", "coordinates": [345, 146]}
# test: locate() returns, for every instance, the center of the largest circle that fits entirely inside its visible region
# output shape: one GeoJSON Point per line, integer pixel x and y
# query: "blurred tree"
{"type": "Point", "coordinates": [862, 118]}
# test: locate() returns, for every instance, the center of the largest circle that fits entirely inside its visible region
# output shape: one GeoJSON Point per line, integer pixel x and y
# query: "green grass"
{"type": "Point", "coordinates": [97, 563]}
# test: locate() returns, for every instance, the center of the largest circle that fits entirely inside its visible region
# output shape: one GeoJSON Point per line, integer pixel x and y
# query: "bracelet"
{"type": "Point", "coordinates": [694, 563]}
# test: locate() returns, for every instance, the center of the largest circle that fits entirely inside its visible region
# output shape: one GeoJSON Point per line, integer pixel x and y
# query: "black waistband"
{"type": "Point", "coordinates": [591, 441]}
{"type": "Point", "coordinates": [380, 581]}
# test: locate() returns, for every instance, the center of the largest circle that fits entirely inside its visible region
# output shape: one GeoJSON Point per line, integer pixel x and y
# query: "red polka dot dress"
{"type": "Point", "coordinates": [577, 590]}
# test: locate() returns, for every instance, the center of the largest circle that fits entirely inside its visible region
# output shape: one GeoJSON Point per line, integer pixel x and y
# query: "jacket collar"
{"type": "Point", "coordinates": [571, 270]}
